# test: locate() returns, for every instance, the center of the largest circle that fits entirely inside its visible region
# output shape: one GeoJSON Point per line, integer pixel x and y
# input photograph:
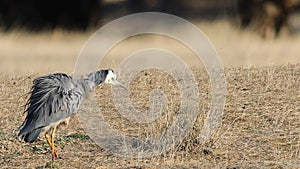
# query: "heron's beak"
{"type": "Point", "coordinates": [117, 83]}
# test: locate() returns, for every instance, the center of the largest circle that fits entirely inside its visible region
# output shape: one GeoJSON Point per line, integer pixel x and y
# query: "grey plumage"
{"type": "Point", "coordinates": [54, 98]}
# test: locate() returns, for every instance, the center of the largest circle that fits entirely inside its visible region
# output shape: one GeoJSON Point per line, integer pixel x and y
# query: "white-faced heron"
{"type": "Point", "coordinates": [54, 99]}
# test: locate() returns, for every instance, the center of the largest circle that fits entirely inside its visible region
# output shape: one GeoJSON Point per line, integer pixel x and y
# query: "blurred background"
{"type": "Point", "coordinates": [46, 36]}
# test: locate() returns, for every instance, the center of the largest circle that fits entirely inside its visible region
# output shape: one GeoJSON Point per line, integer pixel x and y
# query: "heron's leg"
{"type": "Point", "coordinates": [48, 138]}
{"type": "Point", "coordinates": [54, 155]}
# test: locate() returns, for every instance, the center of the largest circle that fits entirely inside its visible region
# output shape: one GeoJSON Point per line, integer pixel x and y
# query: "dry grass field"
{"type": "Point", "coordinates": [260, 127]}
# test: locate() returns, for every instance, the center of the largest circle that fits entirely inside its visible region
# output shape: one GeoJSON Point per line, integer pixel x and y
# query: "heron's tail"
{"type": "Point", "coordinates": [31, 136]}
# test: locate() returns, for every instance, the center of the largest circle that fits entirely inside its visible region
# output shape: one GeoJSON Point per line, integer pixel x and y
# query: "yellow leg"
{"type": "Point", "coordinates": [54, 155]}
{"type": "Point", "coordinates": [48, 139]}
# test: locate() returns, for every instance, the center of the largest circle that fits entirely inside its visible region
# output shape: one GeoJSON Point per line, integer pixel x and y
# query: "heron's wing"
{"type": "Point", "coordinates": [53, 98]}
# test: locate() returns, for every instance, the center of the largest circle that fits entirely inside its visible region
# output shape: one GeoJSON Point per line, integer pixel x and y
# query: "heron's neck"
{"type": "Point", "coordinates": [97, 77]}
{"type": "Point", "coordinates": [90, 84]}
{"type": "Point", "coordinates": [85, 85]}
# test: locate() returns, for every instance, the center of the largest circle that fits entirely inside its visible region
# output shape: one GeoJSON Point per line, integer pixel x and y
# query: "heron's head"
{"type": "Point", "coordinates": [107, 76]}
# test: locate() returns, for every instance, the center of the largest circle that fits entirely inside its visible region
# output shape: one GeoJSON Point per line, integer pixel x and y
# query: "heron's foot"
{"type": "Point", "coordinates": [54, 156]}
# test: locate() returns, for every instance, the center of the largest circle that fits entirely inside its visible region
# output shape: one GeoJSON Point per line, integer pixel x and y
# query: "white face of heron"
{"type": "Point", "coordinates": [110, 77]}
